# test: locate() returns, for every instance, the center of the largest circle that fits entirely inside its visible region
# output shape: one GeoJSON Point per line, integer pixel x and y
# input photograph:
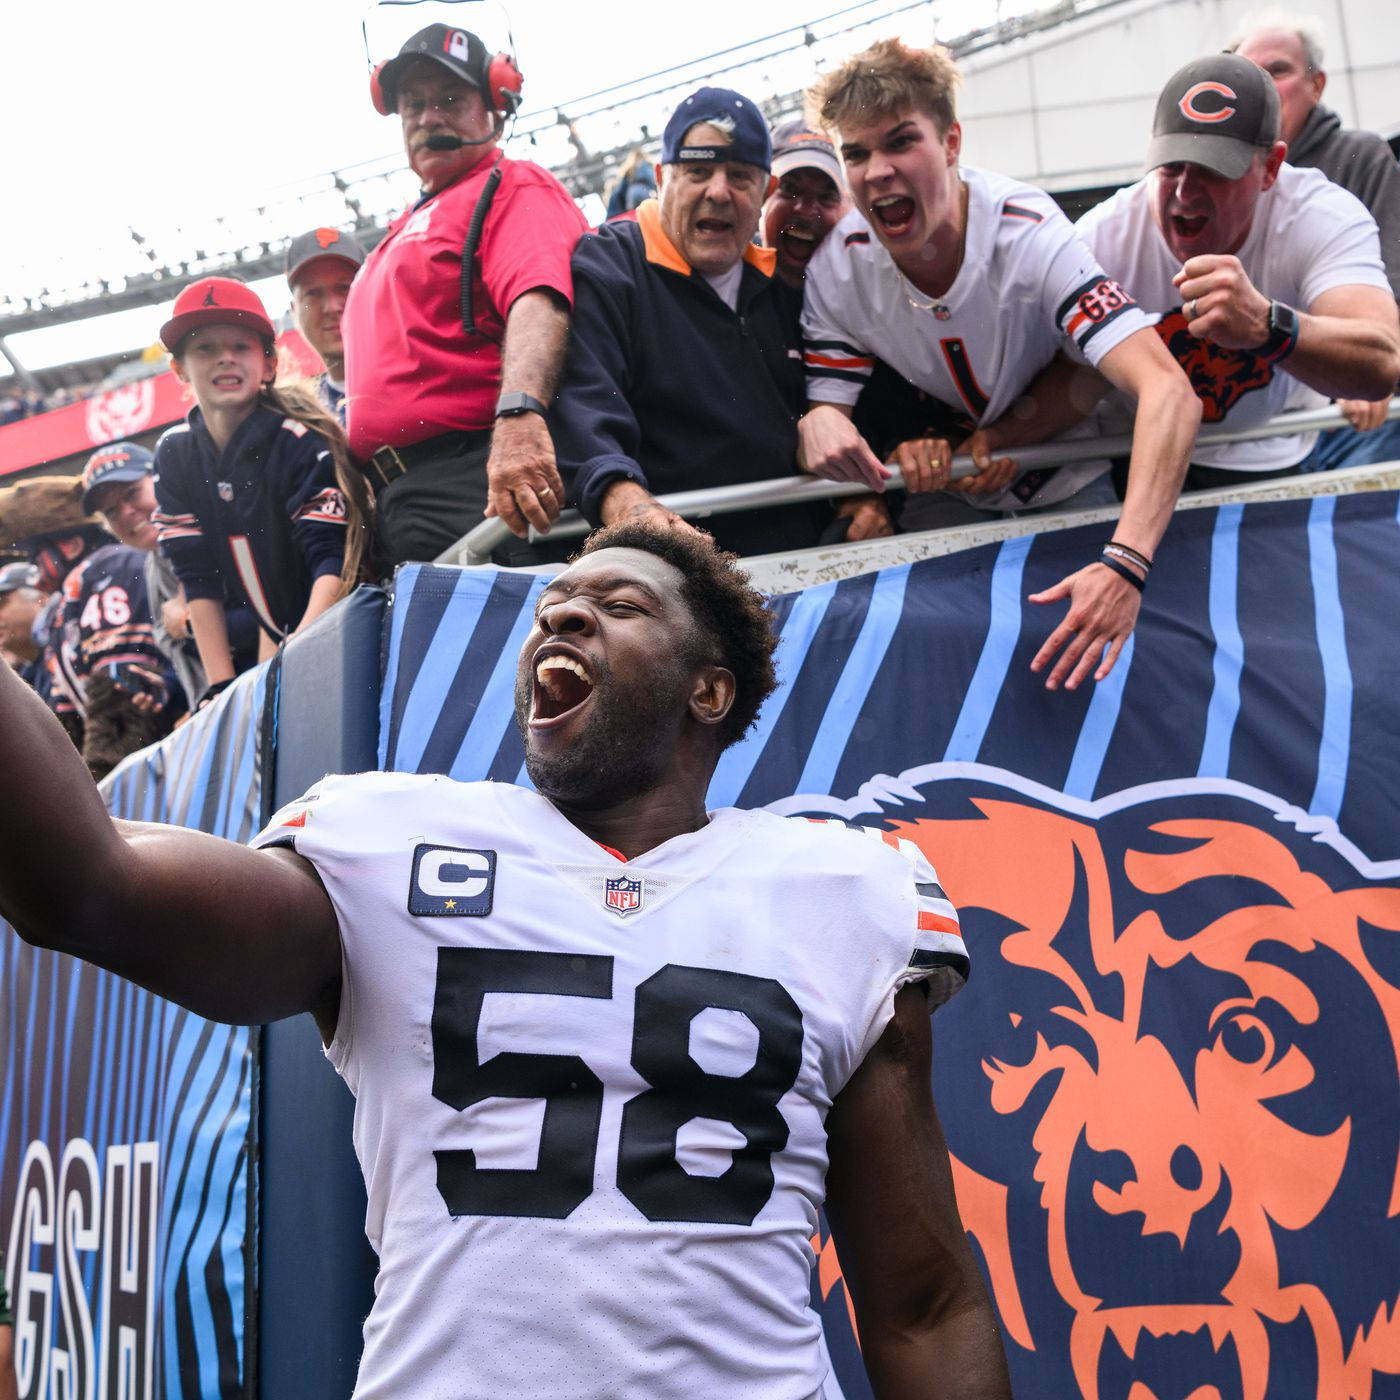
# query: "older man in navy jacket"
{"type": "Point", "coordinates": [685, 367]}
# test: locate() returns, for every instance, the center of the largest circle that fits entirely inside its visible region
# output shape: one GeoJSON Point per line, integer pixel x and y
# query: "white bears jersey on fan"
{"type": "Point", "coordinates": [591, 1094]}
{"type": "Point", "coordinates": [1028, 286]}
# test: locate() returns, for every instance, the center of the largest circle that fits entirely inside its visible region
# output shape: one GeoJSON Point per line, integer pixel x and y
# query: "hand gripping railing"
{"type": "Point", "coordinates": [476, 546]}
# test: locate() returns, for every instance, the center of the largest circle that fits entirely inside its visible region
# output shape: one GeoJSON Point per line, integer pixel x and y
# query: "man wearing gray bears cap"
{"type": "Point", "coordinates": [321, 264]}
{"type": "Point", "coordinates": [1267, 280]}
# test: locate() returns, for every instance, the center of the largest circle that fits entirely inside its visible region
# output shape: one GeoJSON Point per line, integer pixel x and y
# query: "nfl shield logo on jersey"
{"type": "Point", "coordinates": [226, 491]}
{"type": "Point", "coordinates": [623, 896]}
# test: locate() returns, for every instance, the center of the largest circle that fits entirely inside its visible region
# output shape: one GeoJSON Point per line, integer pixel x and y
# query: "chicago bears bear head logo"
{"type": "Point", "coordinates": [1220, 377]}
{"type": "Point", "coordinates": [1171, 1089]}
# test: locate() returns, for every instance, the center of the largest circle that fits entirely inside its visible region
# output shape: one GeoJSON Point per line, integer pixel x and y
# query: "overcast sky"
{"type": "Point", "coordinates": [158, 115]}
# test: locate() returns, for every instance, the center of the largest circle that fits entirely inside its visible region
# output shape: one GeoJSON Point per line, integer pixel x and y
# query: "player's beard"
{"type": "Point", "coordinates": [616, 754]}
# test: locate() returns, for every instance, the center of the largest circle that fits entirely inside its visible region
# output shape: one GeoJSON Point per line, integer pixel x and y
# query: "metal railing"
{"type": "Point", "coordinates": [476, 546]}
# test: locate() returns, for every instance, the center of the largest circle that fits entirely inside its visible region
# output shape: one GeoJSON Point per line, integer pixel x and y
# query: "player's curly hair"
{"type": "Point", "coordinates": [730, 614]}
{"type": "Point", "coordinates": [888, 78]}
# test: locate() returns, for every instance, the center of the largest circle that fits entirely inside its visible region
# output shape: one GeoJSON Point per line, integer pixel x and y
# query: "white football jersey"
{"type": "Point", "coordinates": [1307, 237]}
{"type": "Point", "coordinates": [590, 1095]}
{"type": "Point", "coordinates": [1027, 287]}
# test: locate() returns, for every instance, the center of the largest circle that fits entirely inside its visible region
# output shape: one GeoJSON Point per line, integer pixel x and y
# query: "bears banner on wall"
{"type": "Point", "coordinates": [125, 1130]}
{"type": "Point", "coordinates": [1171, 1089]}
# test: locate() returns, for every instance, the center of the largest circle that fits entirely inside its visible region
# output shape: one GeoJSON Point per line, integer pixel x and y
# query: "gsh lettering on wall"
{"type": "Point", "coordinates": [80, 1267]}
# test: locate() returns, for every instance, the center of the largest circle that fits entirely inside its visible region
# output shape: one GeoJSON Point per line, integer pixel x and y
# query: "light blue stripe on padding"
{"type": "Point", "coordinates": [221, 1142]}
{"type": "Point", "coordinates": [1003, 632]}
{"type": "Point", "coordinates": [1096, 733]}
{"type": "Point", "coordinates": [433, 682]}
{"type": "Point", "coordinates": [1334, 748]}
{"type": "Point", "coordinates": [865, 659]}
{"type": "Point", "coordinates": [404, 582]}
{"type": "Point", "coordinates": [1229, 645]}
{"type": "Point", "coordinates": [495, 711]}
{"type": "Point", "coordinates": [736, 764]}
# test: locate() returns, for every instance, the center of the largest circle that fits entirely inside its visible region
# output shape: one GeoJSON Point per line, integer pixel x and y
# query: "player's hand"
{"type": "Point", "coordinates": [1103, 610]}
{"type": "Point", "coordinates": [1221, 304]}
{"type": "Point", "coordinates": [994, 473]}
{"type": "Point", "coordinates": [829, 445]}
{"type": "Point", "coordinates": [1363, 415]}
{"type": "Point", "coordinates": [628, 500]}
{"type": "Point", "coordinates": [869, 517]}
{"type": "Point", "coordinates": [523, 484]}
{"type": "Point", "coordinates": [925, 463]}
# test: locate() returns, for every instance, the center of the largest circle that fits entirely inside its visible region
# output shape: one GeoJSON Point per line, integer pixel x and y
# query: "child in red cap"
{"type": "Point", "coordinates": [252, 488]}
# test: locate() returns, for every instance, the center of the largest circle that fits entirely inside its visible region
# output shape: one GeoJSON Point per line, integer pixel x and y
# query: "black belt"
{"type": "Point", "coordinates": [387, 464]}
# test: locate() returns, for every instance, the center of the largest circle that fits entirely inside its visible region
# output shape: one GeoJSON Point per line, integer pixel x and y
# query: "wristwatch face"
{"type": "Point", "coordinates": [513, 405]}
{"type": "Point", "coordinates": [1283, 323]}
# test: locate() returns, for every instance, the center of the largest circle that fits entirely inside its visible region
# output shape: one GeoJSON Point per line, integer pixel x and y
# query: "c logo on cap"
{"type": "Point", "coordinates": [1189, 110]}
{"type": "Point", "coordinates": [457, 45]}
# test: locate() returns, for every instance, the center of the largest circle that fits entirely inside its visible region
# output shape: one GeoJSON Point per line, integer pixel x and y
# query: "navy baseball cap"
{"type": "Point", "coordinates": [123, 461]}
{"type": "Point", "coordinates": [751, 143]}
{"type": "Point", "coordinates": [1219, 112]}
{"type": "Point", "coordinates": [322, 243]}
{"type": "Point", "coordinates": [13, 577]}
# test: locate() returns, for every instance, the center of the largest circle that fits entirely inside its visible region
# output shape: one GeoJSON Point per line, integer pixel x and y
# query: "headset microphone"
{"type": "Point", "coordinates": [447, 141]}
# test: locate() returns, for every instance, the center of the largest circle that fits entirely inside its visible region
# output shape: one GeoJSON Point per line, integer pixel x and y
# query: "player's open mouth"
{"type": "Point", "coordinates": [713, 227]}
{"type": "Point", "coordinates": [227, 381]}
{"type": "Point", "coordinates": [562, 684]}
{"type": "Point", "coordinates": [1189, 227]}
{"type": "Point", "coordinates": [894, 213]}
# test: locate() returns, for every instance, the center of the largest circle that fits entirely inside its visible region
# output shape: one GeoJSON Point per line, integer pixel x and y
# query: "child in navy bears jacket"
{"type": "Point", "coordinates": [249, 488]}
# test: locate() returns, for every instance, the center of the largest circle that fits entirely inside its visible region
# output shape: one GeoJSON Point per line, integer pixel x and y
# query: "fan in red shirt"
{"type": "Point", "coordinates": [449, 379]}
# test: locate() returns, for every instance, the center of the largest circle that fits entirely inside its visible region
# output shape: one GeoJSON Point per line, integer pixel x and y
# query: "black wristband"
{"type": "Point", "coordinates": [1123, 571]}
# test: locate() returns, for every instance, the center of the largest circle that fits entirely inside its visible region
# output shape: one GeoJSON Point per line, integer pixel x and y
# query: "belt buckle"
{"type": "Point", "coordinates": [382, 461]}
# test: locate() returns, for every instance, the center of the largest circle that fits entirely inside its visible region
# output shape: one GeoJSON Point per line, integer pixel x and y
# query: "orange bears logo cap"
{"type": "Point", "coordinates": [322, 243]}
{"type": "Point", "coordinates": [215, 301]}
{"type": "Point", "coordinates": [1219, 112]}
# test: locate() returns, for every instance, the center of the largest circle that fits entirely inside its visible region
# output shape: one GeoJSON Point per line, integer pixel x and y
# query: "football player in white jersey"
{"type": "Point", "coordinates": [610, 1051]}
{"type": "Point", "coordinates": [967, 284]}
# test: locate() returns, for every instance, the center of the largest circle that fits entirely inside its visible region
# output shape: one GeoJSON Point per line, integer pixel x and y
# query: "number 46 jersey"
{"type": "Point", "coordinates": [591, 1094]}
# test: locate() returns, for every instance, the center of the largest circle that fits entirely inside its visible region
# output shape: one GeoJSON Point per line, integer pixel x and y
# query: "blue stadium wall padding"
{"type": "Point", "coordinates": [105, 1086]}
{"type": "Point", "coordinates": [1171, 1090]}
{"type": "Point", "coordinates": [316, 1269]}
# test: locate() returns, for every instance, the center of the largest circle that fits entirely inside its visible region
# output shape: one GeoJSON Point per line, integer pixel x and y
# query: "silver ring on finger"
{"type": "Point", "coordinates": [1191, 309]}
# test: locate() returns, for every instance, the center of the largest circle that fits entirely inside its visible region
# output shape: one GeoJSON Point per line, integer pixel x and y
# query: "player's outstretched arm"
{"type": "Point", "coordinates": [231, 933]}
{"type": "Point", "coordinates": [926, 1324]}
{"type": "Point", "coordinates": [1103, 606]}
